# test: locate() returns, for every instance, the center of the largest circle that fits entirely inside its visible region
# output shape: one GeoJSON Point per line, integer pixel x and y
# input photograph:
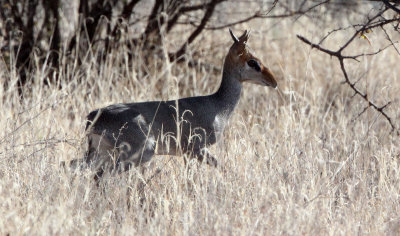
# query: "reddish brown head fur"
{"type": "Point", "coordinates": [249, 67]}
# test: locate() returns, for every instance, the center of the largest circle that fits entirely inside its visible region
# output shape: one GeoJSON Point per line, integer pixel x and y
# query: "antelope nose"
{"type": "Point", "coordinates": [270, 78]}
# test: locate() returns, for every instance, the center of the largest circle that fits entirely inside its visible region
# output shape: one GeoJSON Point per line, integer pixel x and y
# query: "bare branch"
{"type": "Point", "coordinates": [332, 53]}
{"type": "Point", "coordinates": [372, 53]}
{"type": "Point", "coordinates": [364, 28]}
{"type": "Point", "coordinates": [194, 8]}
{"type": "Point", "coordinates": [153, 23]}
{"type": "Point", "coordinates": [126, 13]}
{"type": "Point", "coordinates": [127, 10]}
{"type": "Point", "coordinates": [386, 2]}
{"type": "Point", "coordinates": [370, 24]}
{"type": "Point", "coordinates": [265, 15]}
{"type": "Point", "coordinates": [341, 58]}
{"type": "Point", "coordinates": [390, 40]}
{"type": "Point", "coordinates": [360, 114]}
{"type": "Point", "coordinates": [206, 17]}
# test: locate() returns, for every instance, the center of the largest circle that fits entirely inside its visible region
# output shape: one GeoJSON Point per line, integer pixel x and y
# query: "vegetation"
{"type": "Point", "coordinates": [320, 155]}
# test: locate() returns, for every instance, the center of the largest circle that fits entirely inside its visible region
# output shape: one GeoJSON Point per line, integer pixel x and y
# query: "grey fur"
{"type": "Point", "coordinates": [122, 135]}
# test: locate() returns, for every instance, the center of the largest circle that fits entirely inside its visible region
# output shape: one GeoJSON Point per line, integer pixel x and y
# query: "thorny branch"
{"type": "Point", "coordinates": [370, 24]}
{"type": "Point", "coordinates": [389, 5]}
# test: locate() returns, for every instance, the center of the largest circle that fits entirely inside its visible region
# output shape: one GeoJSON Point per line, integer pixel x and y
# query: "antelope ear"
{"type": "Point", "coordinates": [235, 39]}
{"type": "Point", "coordinates": [245, 36]}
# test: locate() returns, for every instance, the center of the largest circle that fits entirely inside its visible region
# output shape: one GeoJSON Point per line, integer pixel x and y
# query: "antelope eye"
{"type": "Point", "coordinates": [254, 64]}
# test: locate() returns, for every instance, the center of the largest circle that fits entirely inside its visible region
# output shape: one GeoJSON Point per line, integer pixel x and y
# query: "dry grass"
{"type": "Point", "coordinates": [292, 162]}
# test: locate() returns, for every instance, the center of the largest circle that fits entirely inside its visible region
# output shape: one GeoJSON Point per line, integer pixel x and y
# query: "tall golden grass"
{"type": "Point", "coordinates": [293, 161]}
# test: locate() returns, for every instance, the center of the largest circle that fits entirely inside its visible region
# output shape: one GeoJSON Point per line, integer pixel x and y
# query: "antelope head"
{"type": "Point", "coordinates": [243, 62]}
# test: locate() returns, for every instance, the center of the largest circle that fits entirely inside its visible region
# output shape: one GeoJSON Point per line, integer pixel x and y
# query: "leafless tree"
{"type": "Point", "coordinates": [377, 21]}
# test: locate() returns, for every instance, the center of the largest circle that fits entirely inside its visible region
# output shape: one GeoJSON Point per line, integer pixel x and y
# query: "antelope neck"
{"type": "Point", "coordinates": [228, 93]}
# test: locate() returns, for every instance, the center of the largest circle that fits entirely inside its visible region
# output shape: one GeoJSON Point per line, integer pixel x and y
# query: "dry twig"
{"type": "Point", "coordinates": [373, 22]}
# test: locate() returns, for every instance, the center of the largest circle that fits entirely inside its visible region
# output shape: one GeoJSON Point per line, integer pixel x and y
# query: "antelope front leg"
{"type": "Point", "coordinates": [210, 159]}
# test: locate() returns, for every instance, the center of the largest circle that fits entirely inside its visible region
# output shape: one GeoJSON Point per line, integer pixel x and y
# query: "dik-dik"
{"type": "Point", "coordinates": [130, 134]}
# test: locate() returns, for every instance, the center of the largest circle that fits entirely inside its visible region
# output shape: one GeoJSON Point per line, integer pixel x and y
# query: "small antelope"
{"type": "Point", "coordinates": [122, 135]}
